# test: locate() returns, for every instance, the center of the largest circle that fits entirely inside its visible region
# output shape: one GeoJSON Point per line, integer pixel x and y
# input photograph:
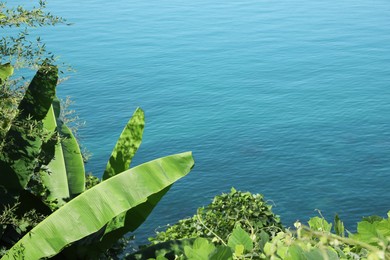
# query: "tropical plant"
{"type": "Point", "coordinates": [47, 165]}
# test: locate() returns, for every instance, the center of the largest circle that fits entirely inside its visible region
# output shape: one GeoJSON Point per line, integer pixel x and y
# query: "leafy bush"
{"type": "Point", "coordinates": [319, 239]}
{"type": "Point", "coordinates": [217, 220]}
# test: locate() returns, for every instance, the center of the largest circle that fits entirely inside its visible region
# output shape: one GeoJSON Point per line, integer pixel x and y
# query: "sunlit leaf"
{"type": "Point", "coordinates": [91, 210]}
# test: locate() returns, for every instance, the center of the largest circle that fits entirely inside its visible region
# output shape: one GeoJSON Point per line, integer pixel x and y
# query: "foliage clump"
{"type": "Point", "coordinates": [318, 239]}
{"type": "Point", "coordinates": [217, 220]}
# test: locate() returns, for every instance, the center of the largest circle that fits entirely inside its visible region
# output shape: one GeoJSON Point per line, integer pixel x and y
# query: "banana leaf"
{"type": "Point", "coordinates": [121, 156]}
{"type": "Point", "coordinates": [126, 146]}
{"type": "Point", "coordinates": [18, 159]}
{"type": "Point", "coordinates": [65, 175]}
{"type": "Point", "coordinates": [91, 210]}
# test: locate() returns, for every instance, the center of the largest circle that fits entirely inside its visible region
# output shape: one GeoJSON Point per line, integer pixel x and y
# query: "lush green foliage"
{"type": "Point", "coordinates": [18, 48]}
{"type": "Point", "coordinates": [50, 163]}
{"type": "Point", "coordinates": [318, 240]}
{"type": "Point", "coordinates": [218, 219]}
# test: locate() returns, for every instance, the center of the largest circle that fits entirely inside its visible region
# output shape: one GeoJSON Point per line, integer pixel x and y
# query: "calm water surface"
{"type": "Point", "coordinates": [286, 98]}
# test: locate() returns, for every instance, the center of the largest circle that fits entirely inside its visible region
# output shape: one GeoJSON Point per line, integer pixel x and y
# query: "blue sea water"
{"type": "Point", "coordinates": [289, 98]}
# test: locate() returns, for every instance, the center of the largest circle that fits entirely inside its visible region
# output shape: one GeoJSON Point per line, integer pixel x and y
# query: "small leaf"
{"type": "Point", "coordinates": [200, 250]}
{"type": "Point", "coordinates": [338, 226]}
{"type": "Point", "coordinates": [240, 237]}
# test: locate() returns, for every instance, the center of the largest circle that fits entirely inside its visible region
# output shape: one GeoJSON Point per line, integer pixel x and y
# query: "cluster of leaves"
{"type": "Point", "coordinates": [100, 216]}
{"type": "Point", "coordinates": [19, 48]}
{"type": "Point", "coordinates": [319, 239]}
{"type": "Point", "coordinates": [218, 219]}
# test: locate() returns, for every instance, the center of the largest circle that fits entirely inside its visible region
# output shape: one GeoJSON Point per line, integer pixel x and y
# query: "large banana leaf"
{"type": "Point", "coordinates": [22, 148]}
{"type": "Point", "coordinates": [40, 94]}
{"type": "Point", "coordinates": [126, 146]}
{"type": "Point", "coordinates": [92, 209]}
{"type": "Point", "coordinates": [65, 175]}
{"type": "Point", "coordinates": [124, 150]}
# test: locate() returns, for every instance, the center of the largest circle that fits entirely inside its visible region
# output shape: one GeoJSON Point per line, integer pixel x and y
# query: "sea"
{"type": "Point", "coordinates": [287, 98]}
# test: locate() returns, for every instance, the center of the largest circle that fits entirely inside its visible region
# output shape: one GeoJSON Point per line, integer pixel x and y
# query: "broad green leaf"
{"type": "Point", "coordinates": [221, 253]}
{"type": "Point", "coordinates": [240, 237]}
{"type": "Point", "coordinates": [40, 94]}
{"type": "Point", "coordinates": [373, 232]}
{"type": "Point", "coordinates": [72, 155]}
{"type": "Point", "coordinates": [264, 238]}
{"type": "Point", "coordinates": [91, 210]}
{"type": "Point", "coordinates": [127, 222]}
{"type": "Point", "coordinates": [120, 159]}
{"type": "Point", "coordinates": [73, 161]}
{"type": "Point", "coordinates": [126, 146]}
{"type": "Point", "coordinates": [19, 157]}
{"type": "Point", "coordinates": [6, 70]}
{"type": "Point", "coordinates": [296, 253]}
{"type": "Point", "coordinates": [200, 250]}
{"type": "Point", "coordinates": [54, 178]}
{"type": "Point", "coordinates": [320, 224]}
{"type": "Point", "coordinates": [65, 175]}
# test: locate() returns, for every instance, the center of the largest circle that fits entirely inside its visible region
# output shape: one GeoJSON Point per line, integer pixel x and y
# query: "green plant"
{"type": "Point", "coordinates": [317, 240]}
{"type": "Point", "coordinates": [91, 210]}
{"type": "Point", "coordinates": [48, 165]}
{"type": "Point", "coordinates": [217, 220]}
{"type": "Point", "coordinates": [18, 48]}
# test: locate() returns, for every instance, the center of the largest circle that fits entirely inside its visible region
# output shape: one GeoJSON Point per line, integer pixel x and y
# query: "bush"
{"type": "Point", "coordinates": [217, 220]}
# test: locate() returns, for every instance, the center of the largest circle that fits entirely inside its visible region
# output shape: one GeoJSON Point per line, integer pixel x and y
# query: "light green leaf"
{"type": "Point", "coordinates": [54, 178]}
{"type": "Point", "coordinates": [120, 159]}
{"type": "Point", "coordinates": [200, 250]}
{"type": "Point", "coordinates": [240, 237]}
{"type": "Point", "coordinates": [65, 177]}
{"type": "Point", "coordinates": [373, 232]}
{"type": "Point", "coordinates": [6, 70]}
{"type": "Point", "coordinates": [73, 161]}
{"type": "Point", "coordinates": [126, 146]}
{"type": "Point", "coordinates": [40, 94]}
{"type": "Point", "coordinates": [320, 224]}
{"type": "Point", "coordinates": [221, 253]}
{"type": "Point", "coordinates": [91, 210]}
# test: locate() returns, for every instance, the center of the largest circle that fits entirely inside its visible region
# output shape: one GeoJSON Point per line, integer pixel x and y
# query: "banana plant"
{"type": "Point", "coordinates": [91, 210]}
{"type": "Point", "coordinates": [18, 157]}
{"type": "Point", "coordinates": [119, 204]}
{"type": "Point", "coordinates": [64, 175]}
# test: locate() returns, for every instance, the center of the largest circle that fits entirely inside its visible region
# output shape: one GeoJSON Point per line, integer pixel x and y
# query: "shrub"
{"type": "Point", "coordinates": [217, 220]}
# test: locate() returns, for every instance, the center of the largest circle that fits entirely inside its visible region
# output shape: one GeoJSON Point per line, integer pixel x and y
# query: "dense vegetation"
{"type": "Point", "coordinates": [249, 230]}
{"type": "Point", "coordinates": [49, 207]}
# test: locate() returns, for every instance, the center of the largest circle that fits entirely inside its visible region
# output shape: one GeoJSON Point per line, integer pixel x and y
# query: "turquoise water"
{"type": "Point", "coordinates": [285, 98]}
